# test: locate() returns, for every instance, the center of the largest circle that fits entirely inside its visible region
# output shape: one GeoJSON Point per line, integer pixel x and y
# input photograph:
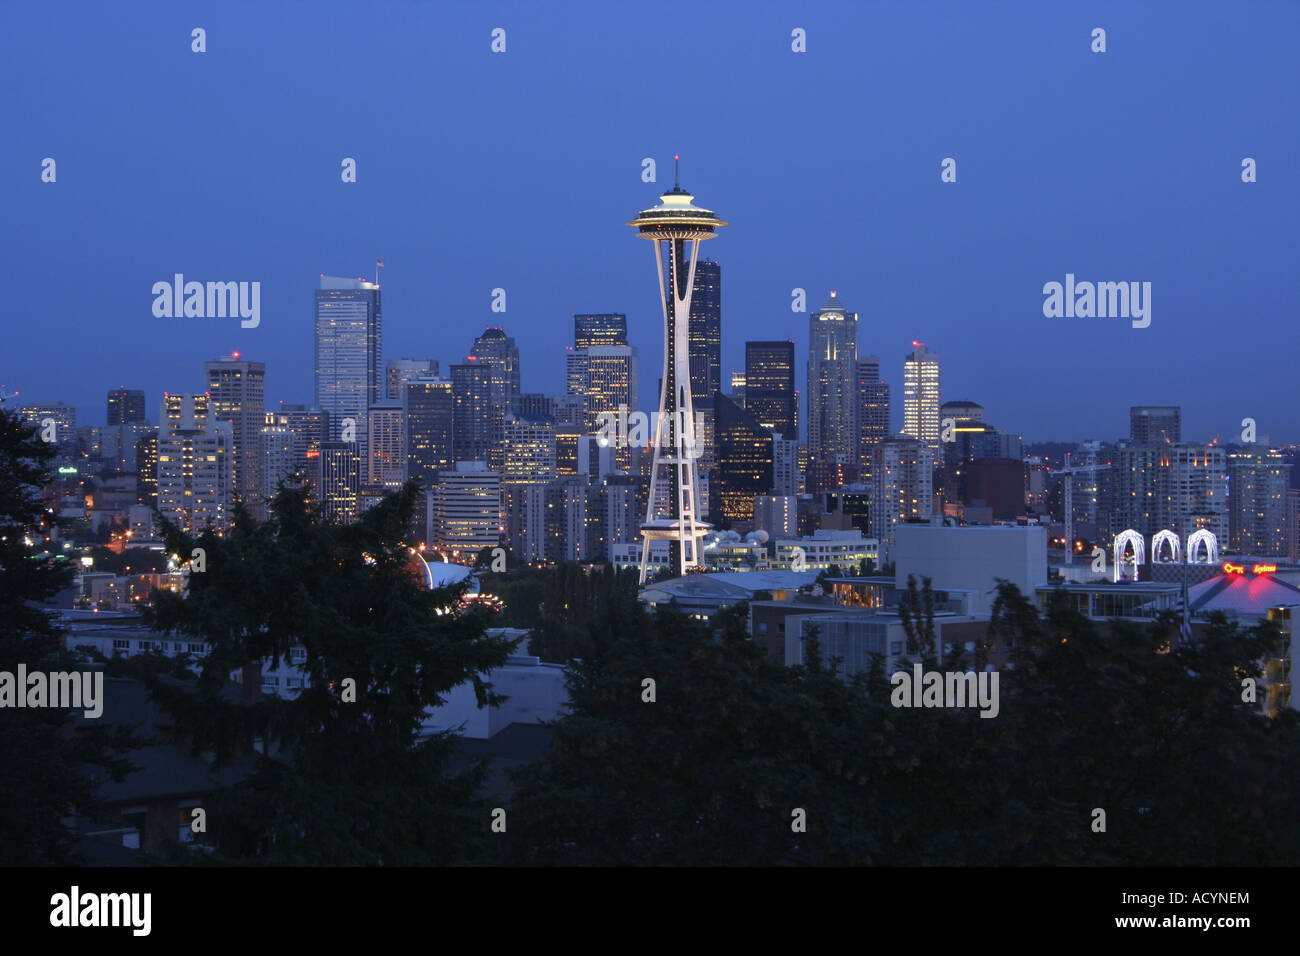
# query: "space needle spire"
{"type": "Point", "coordinates": [677, 227]}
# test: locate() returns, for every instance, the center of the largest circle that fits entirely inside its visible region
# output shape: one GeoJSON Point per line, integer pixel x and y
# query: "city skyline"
{"type": "Point", "coordinates": [959, 265]}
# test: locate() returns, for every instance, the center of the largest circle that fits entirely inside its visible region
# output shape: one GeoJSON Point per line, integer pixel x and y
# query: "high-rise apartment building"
{"type": "Point", "coordinates": [237, 389]}
{"type": "Point", "coordinates": [386, 445]}
{"type": "Point", "coordinates": [1259, 478]}
{"type": "Point", "coordinates": [349, 347]}
{"type": "Point", "coordinates": [1155, 424]}
{"type": "Point", "coordinates": [769, 387]}
{"type": "Point", "coordinates": [196, 473]}
{"type": "Point", "coordinates": [921, 396]}
{"type": "Point", "coordinates": [902, 487]}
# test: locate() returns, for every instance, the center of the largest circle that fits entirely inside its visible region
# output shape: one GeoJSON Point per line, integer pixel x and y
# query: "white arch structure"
{"type": "Point", "coordinates": [1194, 541]}
{"type": "Point", "coordinates": [1175, 545]}
{"type": "Point", "coordinates": [1124, 538]}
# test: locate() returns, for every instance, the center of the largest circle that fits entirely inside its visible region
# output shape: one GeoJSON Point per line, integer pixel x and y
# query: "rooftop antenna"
{"type": "Point", "coordinates": [676, 172]}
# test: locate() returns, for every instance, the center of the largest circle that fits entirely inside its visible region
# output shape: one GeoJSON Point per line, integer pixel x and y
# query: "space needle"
{"type": "Point", "coordinates": [671, 225]}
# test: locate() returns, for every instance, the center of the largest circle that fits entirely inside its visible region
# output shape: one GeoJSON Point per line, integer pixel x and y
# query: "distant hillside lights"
{"type": "Point", "coordinates": [213, 300]}
{"type": "Point", "coordinates": [1103, 300]}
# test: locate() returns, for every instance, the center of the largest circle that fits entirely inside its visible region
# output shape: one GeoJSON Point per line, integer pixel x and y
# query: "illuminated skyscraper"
{"type": "Point", "coordinates": [236, 388]}
{"type": "Point", "coordinates": [921, 397]}
{"type": "Point", "coordinates": [196, 473]}
{"type": "Point", "coordinates": [386, 446]}
{"type": "Point", "coordinates": [706, 330]}
{"type": "Point", "coordinates": [744, 469]}
{"type": "Point", "coordinates": [478, 425]}
{"type": "Point", "coordinates": [349, 345]}
{"type": "Point", "coordinates": [873, 413]}
{"type": "Point", "coordinates": [676, 227]}
{"type": "Point", "coordinates": [902, 487]}
{"type": "Point", "coordinates": [339, 481]}
{"type": "Point", "coordinates": [832, 393]}
{"type": "Point", "coordinates": [1258, 480]}
{"type": "Point", "coordinates": [125, 405]}
{"type": "Point", "coordinates": [605, 328]}
{"type": "Point", "coordinates": [769, 387]}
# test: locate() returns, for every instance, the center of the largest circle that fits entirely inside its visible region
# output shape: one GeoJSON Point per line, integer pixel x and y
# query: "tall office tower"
{"type": "Point", "coordinates": [349, 346]}
{"type": "Point", "coordinates": [146, 469]}
{"type": "Point", "coordinates": [469, 509]}
{"type": "Point", "coordinates": [63, 417]}
{"type": "Point", "coordinates": [386, 445]}
{"type": "Point", "coordinates": [498, 351]}
{"type": "Point", "coordinates": [676, 226]}
{"type": "Point", "coordinates": [873, 413]}
{"type": "Point", "coordinates": [903, 487]}
{"type": "Point", "coordinates": [339, 481]}
{"type": "Point", "coordinates": [610, 382]}
{"type": "Point", "coordinates": [705, 331]}
{"type": "Point", "coordinates": [196, 471]}
{"type": "Point", "coordinates": [786, 479]}
{"type": "Point", "coordinates": [1156, 424]}
{"type": "Point", "coordinates": [921, 396]}
{"type": "Point", "coordinates": [1192, 489]}
{"type": "Point", "coordinates": [397, 372]}
{"type": "Point", "coordinates": [769, 387]}
{"type": "Point", "coordinates": [310, 427]}
{"type": "Point", "coordinates": [237, 391]}
{"type": "Point", "coordinates": [832, 392]}
{"type": "Point", "coordinates": [529, 450]}
{"type": "Point", "coordinates": [605, 328]}
{"type": "Point", "coordinates": [279, 454]}
{"type": "Point", "coordinates": [575, 373]}
{"type": "Point", "coordinates": [478, 424]}
{"type": "Point", "coordinates": [1258, 480]}
{"type": "Point", "coordinates": [430, 428]}
{"type": "Point", "coordinates": [125, 405]}
{"type": "Point", "coordinates": [738, 391]}
{"type": "Point", "coordinates": [962, 411]}
{"type": "Point", "coordinates": [744, 468]}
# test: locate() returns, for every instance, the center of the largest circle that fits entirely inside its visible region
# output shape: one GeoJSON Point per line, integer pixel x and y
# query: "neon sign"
{"type": "Point", "coordinates": [1230, 568]}
{"type": "Point", "coordinates": [67, 470]}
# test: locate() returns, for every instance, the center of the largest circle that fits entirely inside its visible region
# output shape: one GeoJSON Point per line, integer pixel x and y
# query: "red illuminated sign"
{"type": "Point", "coordinates": [1230, 568]}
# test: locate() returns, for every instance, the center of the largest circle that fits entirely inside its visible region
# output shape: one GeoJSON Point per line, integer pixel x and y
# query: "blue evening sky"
{"type": "Point", "coordinates": [518, 170]}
